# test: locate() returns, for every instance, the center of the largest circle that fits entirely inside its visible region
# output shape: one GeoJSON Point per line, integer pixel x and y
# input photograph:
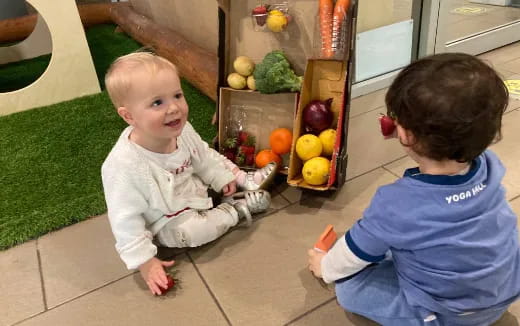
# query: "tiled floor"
{"type": "Point", "coordinates": [251, 276]}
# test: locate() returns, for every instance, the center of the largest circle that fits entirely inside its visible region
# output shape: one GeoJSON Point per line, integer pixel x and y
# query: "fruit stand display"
{"type": "Point", "coordinates": [285, 87]}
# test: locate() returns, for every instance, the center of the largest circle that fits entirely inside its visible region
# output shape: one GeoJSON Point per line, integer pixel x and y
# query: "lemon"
{"type": "Point", "coordinates": [251, 83]}
{"type": "Point", "coordinates": [308, 146]}
{"type": "Point", "coordinates": [328, 139]}
{"type": "Point", "coordinates": [236, 81]}
{"type": "Point", "coordinates": [316, 171]}
{"type": "Point", "coordinates": [243, 65]}
{"type": "Point", "coordinates": [276, 21]}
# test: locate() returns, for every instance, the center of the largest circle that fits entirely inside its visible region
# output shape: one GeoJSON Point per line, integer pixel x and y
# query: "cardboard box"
{"type": "Point", "coordinates": [322, 79]}
{"type": "Point", "coordinates": [265, 112]}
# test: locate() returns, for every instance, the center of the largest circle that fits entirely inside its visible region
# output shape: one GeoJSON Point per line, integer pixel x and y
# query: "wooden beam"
{"type": "Point", "coordinates": [198, 66]}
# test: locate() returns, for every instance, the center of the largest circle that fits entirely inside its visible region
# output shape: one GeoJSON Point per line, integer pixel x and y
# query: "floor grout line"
{"type": "Point", "coordinates": [42, 283]}
{"type": "Point", "coordinates": [391, 172]}
{"type": "Point", "coordinates": [378, 167]}
{"type": "Point", "coordinates": [310, 311]}
{"type": "Point", "coordinates": [75, 298]}
{"type": "Point", "coordinates": [209, 289]}
{"type": "Point", "coordinates": [365, 112]}
{"type": "Point", "coordinates": [514, 198]}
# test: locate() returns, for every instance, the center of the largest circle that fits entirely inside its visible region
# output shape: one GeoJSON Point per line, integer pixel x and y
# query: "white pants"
{"type": "Point", "coordinates": [195, 228]}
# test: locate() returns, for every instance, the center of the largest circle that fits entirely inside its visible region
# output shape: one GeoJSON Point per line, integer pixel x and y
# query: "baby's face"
{"type": "Point", "coordinates": [157, 104]}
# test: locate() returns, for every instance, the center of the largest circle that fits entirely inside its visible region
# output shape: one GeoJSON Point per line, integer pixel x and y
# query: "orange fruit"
{"type": "Point", "coordinates": [265, 157]}
{"type": "Point", "coordinates": [281, 141]}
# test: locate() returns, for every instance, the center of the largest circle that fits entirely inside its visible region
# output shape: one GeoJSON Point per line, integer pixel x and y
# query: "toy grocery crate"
{"type": "Point", "coordinates": [323, 78]}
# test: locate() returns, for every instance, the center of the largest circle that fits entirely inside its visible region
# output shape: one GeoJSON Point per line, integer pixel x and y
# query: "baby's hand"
{"type": "Point", "coordinates": [315, 258]}
{"type": "Point", "coordinates": [154, 275]}
{"type": "Point", "coordinates": [230, 188]}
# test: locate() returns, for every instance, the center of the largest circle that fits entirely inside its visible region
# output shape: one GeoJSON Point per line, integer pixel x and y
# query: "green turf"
{"type": "Point", "coordinates": [50, 157]}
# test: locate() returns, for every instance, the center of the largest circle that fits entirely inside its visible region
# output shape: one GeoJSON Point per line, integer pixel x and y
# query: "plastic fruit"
{"type": "Point", "coordinates": [281, 141]}
{"type": "Point", "coordinates": [251, 83]}
{"type": "Point", "coordinates": [236, 81]}
{"type": "Point", "coordinates": [316, 171]}
{"type": "Point", "coordinates": [265, 157]}
{"type": "Point", "coordinates": [387, 125]}
{"type": "Point", "coordinates": [317, 116]}
{"type": "Point", "coordinates": [328, 139]}
{"type": "Point", "coordinates": [308, 146]}
{"type": "Point", "coordinates": [276, 21]}
{"type": "Point", "coordinates": [243, 65]}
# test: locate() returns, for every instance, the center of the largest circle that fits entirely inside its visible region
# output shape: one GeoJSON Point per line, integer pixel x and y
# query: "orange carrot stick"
{"type": "Point", "coordinates": [326, 7]}
{"type": "Point", "coordinates": [340, 11]}
{"type": "Point", "coordinates": [326, 239]}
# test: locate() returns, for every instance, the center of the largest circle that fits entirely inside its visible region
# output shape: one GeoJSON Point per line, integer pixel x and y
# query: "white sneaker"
{"type": "Point", "coordinates": [268, 173]}
{"type": "Point", "coordinates": [249, 202]}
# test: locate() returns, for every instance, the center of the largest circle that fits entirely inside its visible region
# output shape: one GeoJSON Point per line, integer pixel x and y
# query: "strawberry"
{"type": "Point", "coordinates": [260, 14]}
{"type": "Point", "coordinates": [229, 153]}
{"type": "Point", "coordinates": [246, 149]}
{"type": "Point", "coordinates": [242, 137]}
{"type": "Point", "coordinates": [169, 285]}
{"type": "Point", "coordinates": [230, 143]}
{"type": "Point", "coordinates": [250, 158]}
{"type": "Point", "coordinates": [240, 159]}
{"type": "Point", "coordinates": [387, 125]}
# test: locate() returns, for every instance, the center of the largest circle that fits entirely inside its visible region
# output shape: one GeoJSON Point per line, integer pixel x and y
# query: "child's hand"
{"type": "Point", "coordinates": [315, 258]}
{"type": "Point", "coordinates": [230, 188]}
{"type": "Point", "coordinates": [154, 275]}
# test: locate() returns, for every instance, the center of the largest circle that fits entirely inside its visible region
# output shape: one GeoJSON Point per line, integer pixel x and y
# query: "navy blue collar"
{"type": "Point", "coordinates": [449, 180]}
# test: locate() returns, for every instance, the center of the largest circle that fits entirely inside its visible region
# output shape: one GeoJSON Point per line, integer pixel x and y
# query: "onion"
{"type": "Point", "coordinates": [317, 116]}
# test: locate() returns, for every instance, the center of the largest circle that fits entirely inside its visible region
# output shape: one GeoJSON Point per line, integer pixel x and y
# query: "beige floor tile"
{"type": "Point", "coordinates": [78, 259]}
{"type": "Point", "coordinates": [513, 65]}
{"type": "Point", "coordinates": [514, 100]}
{"type": "Point", "coordinates": [292, 194]}
{"type": "Point", "coordinates": [259, 275]}
{"type": "Point", "coordinates": [367, 149]}
{"type": "Point", "coordinates": [368, 102]}
{"type": "Point", "coordinates": [20, 288]}
{"type": "Point", "coordinates": [503, 54]}
{"type": "Point", "coordinates": [515, 204]}
{"type": "Point", "coordinates": [508, 150]}
{"type": "Point", "coordinates": [398, 167]}
{"type": "Point", "coordinates": [330, 314]}
{"type": "Point", "coordinates": [515, 309]}
{"type": "Point", "coordinates": [128, 302]}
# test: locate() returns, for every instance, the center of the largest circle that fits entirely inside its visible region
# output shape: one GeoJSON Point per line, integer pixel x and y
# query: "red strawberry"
{"type": "Point", "coordinates": [230, 143]}
{"type": "Point", "coordinates": [260, 14]}
{"type": "Point", "coordinates": [169, 285]}
{"type": "Point", "coordinates": [230, 154]}
{"type": "Point", "coordinates": [387, 125]}
{"type": "Point", "coordinates": [246, 149]}
{"type": "Point", "coordinates": [242, 137]}
{"type": "Point", "coordinates": [240, 159]}
{"type": "Point", "coordinates": [250, 159]}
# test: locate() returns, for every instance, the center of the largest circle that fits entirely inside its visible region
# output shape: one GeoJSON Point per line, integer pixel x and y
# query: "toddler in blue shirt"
{"type": "Point", "coordinates": [440, 245]}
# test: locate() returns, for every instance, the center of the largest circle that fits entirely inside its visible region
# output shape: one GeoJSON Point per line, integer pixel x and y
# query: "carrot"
{"type": "Point", "coordinates": [326, 7]}
{"type": "Point", "coordinates": [340, 11]}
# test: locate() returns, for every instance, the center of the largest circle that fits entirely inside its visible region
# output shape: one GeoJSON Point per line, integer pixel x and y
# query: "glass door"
{"type": "Point", "coordinates": [476, 26]}
{"type": "Point", "coordinates": [387, 39]}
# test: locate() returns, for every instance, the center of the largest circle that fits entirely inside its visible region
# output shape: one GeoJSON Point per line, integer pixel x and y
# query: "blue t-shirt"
{"type": "Point", "coordinates": [453, 239]}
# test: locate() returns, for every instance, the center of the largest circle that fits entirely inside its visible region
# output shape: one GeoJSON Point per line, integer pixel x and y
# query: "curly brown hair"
{"type": "Point", "coordinates": [452, 103]}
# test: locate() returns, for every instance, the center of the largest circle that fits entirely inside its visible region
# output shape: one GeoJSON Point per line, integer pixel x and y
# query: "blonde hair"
{"type": "Point", "coordinates": [118, 78]}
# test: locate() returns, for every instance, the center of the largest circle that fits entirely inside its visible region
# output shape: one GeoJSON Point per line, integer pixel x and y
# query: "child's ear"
{"type": "Point", "coordinates": [126, 115]}
{"type": "Point", "coordinates": [405, 136]}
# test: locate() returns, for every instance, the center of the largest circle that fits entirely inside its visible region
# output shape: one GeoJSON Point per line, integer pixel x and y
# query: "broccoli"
{"type": "Point", "coordinates": [274, 74]}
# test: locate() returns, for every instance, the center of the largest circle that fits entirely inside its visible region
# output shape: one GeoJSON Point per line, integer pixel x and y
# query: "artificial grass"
{"type": "Point", "coordinates": [50, 157]}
